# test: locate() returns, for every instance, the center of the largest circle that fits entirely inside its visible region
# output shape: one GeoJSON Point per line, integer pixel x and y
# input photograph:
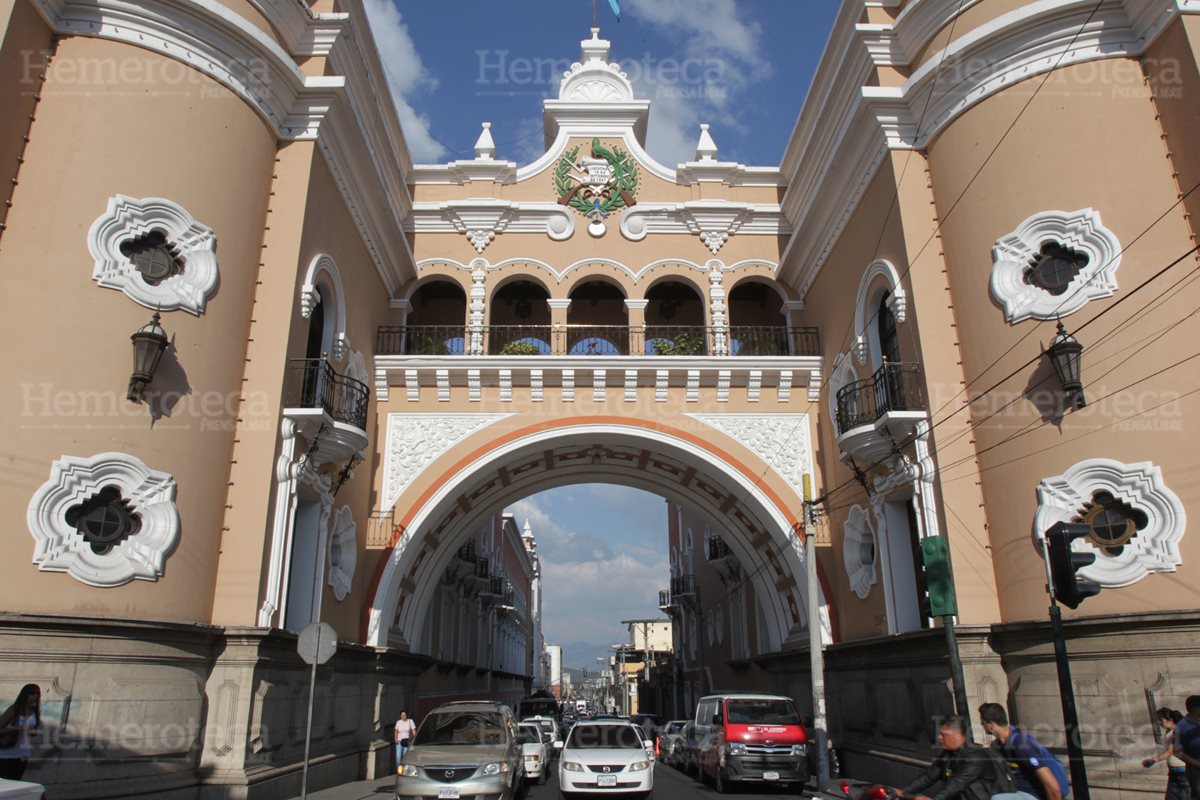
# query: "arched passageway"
{"type": "Point", "coordinates": [760, 523]}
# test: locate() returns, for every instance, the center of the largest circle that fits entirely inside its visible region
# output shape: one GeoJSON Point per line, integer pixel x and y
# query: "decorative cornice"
{"type": "Point", "coordinates": [559, 275]}
{"type": "Point", "coordinates": [478, 217]}
{"type": "Point", "coordinates": [714, 220]}
{"type": "Point", "coordinates": [414, 441]}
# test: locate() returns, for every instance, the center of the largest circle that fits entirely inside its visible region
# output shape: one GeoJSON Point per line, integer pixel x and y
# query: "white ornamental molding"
{"type": "Point", "coordinates": [145, 493]}
{"type": "Point", "coordinates": [714, 221]}
{"type": "Point", "coordinates": [193, 243]}
{"type": "Point", "coordinates": [481, 219]}
{"type": "Point", "coordinates": [1154, 548]}
{"type": "Point", "coordinates": [1013, 255]}
{"type": "Point", "coordinates": [343, 552]}
{"type": "Point", "coordinates": [414, 441]}
{"type": "Point", "coordinates": [593, 79]}
{"type": "Point", "coordinates": [859, 551]}
{"type": "Point", "coordinates": [869, 290]}
{"type": "Point", "coordinates": [781, 440]}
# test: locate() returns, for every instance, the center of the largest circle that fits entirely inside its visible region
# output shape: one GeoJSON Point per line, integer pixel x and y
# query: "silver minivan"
{"type": "Point", "coordinates": [463, 749]}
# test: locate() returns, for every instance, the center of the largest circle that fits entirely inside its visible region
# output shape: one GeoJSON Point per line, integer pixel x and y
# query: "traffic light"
{"type": "Point", "coordinates": [939, 580]}
{"type": "Point", "coordinates": [1065, 586]}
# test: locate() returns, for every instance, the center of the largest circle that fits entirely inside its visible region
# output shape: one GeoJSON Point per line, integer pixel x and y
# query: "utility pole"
{"type": "Point", "coordinates": [816, 655]}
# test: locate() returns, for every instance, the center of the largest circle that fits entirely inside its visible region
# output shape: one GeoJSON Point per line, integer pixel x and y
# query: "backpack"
{"type": "Point", "coordinates": [1045, 759]}
{"type": "Point", "coordinates": [1002, 780]}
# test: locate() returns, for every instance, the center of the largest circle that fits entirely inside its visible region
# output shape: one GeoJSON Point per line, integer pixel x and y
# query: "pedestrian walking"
{"type": "Point", "coordinates": [1187, 744]}
{"type": "Point", "coordinates": [1036, 771]}
{"type": "Point", "coordinates": [18, 724]}
{"type": "Point", "coordinates": [1177, 783]}
{"type": "Point", "coordinates": [405, 730]}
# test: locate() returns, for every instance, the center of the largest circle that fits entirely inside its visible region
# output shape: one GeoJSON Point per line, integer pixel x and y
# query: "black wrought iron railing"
{"type": "Point", "coordinates": [599, 340]}
{"type": "Point", "coordinates": [683, 585]}
{"type": "Point", "coordinates": [893, 387]}
{"type": "Point", "coordinates": [483, 568]}
{"type": "Point", "coordinates": [664, 599]}
{"type": "Point", "coordinates": [313, 383]}
{"type": "Point", "coordinates": [768, 340]}
{"type": "Point", "coordinates": [717, 548]}
{"type": "Point", "coordinates": [467, 551]}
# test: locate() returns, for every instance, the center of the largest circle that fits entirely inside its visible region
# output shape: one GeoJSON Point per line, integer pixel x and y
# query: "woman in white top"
{"type": "Point", "coordinates": [1177, 784]}
{"type": "Point", "coordinates": [405, 730]}
{"type": "Point", "coordinates": [18, 723]}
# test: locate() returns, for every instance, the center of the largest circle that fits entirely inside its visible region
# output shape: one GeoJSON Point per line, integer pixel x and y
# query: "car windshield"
{"type": "Point", "coordinates": [461, 728]}
{"type": "Point", "coordinates": [532, 731]}
{"type": "Point", "coordinates": [675, 727]}
{"type": "Point", "coordinates": [604, 737]}
{"type": "Point", "coordinates": [762, 712]}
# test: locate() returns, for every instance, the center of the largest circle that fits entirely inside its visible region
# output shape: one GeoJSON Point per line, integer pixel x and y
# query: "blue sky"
{"type": "Point", "coordinates": [743, 66]}
{"type": "Point", "coordinates": [603, 550]}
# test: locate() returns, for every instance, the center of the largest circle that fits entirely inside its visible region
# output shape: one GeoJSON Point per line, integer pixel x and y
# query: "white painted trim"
{"type": "Point", "coordinates": [287, 468]}
{"type": "Point", "coordinates": [386, 599]}
{"type": "Point", "coordinates": [713, 220]}
{"type": "Point", "coordinates": [59, 547]}
{"type": "Point", "coordinates": [343, 543]}
{"type": "Point", "coordinates": [857, 530]}
{"type": "Point", "coordinates": [864, 304]}
{"type": "Point", "coordinates": [559, 275]}
{"type": "Point", "coordinates": [1013, 254]}
{"type": "Point", "coordinates": [323, 271]}
{"type": "Point", "coordinates": [1154, 549]}
{"type": "Point", "coordinates": [130, 218]}
{"type": "Point", "coordinates": [482, 216]}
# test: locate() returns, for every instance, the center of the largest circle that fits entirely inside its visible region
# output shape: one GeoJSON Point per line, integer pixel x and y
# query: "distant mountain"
{"type": "Point", "coordinates": [583, 655]}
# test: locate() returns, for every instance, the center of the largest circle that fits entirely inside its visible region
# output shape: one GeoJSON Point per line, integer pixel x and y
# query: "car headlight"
{"type": "Point", "coordinates": [407, 771]}
{"type": "Point", "coordinates": [638, 766]}
{"type": "Point", "coordinates": [571, 766]}
{"type": "Point", "coordinates": [495, 768]}
{"type": "Point", "coordinates": [799, 750]}
{"type": "Point", "coordinates": [735, 749]}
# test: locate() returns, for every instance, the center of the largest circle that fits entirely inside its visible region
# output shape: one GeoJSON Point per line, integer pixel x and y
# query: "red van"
{"type": "Point", "coordinates": [750, 737]}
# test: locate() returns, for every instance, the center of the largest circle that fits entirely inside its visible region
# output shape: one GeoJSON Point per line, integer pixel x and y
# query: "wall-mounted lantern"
{"type": "Point", "coordinates": [1066, 356]}
{"type": "Point", "coordinates": [149, 342]}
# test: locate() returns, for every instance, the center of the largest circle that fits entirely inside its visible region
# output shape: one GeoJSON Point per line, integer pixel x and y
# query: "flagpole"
{"type": "Point", "coordinates": [594, 17]}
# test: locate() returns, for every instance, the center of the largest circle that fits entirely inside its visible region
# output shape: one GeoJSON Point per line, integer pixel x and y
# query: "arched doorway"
{"type": "Point", "coordinates": [759, 523]}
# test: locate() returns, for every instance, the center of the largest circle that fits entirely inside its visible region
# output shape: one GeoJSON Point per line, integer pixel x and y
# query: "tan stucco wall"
{"type": "Point", "coordinates": [207, 151]}
{"type": "Point", "coordinates": [1170, 65]}
{"type": "Point", "coordinates": [24, 41]}
{"type": "Point", "coordinates": [1033, 172]}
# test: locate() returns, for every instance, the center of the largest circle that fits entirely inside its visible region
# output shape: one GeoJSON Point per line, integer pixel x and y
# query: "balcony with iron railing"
{"type": "Point", "coordinates": [329, 408]}
{"type": "Point", "coordinates": [597, 340]}
{"type": "Point", "coordinates": [717, 549]}
{"type": "Point", "coordinates": [876, 414]}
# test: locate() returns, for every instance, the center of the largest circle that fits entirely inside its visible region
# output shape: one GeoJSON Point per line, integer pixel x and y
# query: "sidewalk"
{"type": "Point", "coordinates": [378, 789]}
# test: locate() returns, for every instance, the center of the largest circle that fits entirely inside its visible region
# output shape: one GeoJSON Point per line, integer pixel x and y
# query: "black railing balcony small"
{"type": "Point", "coordinates": [664, 598]}
{"type": "Point", "coordinates": [467, 551]}
{"type": "Point", "coordinates": [893, 387]}
{"type": "Point", "coordinates": [483, 568]}
{"type": "Point", "coordinates": [421, 340]}
{"type": "Point", "coordinates": [717, 548]}
{"type": "Point", "coordinates": [313, 383]}
{"type": "Point", "coordinates": [592, 340]}
{"type": "Point", "coordinates": [683, 585]}
{"type": "Point", "coordinates": [773, 340]}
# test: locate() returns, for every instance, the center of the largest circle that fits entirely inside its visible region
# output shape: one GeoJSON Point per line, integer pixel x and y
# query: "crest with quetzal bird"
{"type": "Point", "coordinates": [598, 185]}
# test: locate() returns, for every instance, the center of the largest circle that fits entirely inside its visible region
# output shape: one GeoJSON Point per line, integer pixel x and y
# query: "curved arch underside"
{"type": "Point", "coordinates": [758, 525]}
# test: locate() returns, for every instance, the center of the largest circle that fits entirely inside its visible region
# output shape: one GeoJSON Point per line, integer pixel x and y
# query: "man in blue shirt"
{"type": "Point", "coordinates": [1187, 743]}
{"type": "Point", "coordinates": [1035, 770]}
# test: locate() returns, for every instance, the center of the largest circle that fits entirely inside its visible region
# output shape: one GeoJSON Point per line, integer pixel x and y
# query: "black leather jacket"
{"type": "Point", "coordinates": [962, 774]}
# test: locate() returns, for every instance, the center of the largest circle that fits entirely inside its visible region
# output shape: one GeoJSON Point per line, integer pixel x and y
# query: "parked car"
{"type": "Point", "coordinates": [536, 751]}
{"type": "Point", "coordinates": [673, 744]}
{"type": "Point", "coordinates": [750, 737]}
{"type": "Point", "coordinates": [648, 742]}
{"type": "Point", "coordinates": [602, 757]}
{"type": "Point", "coordinates": [463, 749]}
{"type": "Point", "coordinates": [21, 790]}
{"type": "Point", "coordinates": [550, 725]}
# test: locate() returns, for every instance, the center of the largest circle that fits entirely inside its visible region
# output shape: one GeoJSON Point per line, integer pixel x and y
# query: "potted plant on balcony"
{"type": "Point", "coordinates": [685, 344]}
{"type": "Point", "coordinates": [520, 349]}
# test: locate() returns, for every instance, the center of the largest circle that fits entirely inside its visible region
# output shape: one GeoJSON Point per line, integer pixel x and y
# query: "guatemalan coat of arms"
{"type": "Point", "coordinates": [598, 185]}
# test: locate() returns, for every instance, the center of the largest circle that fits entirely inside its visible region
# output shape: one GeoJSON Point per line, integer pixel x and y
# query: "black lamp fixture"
{"type": "Point", "coordinates": [1066, 356]}
{"type": "Point", "coordinates": [149, 342]}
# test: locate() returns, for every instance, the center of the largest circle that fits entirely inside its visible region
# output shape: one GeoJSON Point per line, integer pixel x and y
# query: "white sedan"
{"type": "Point", "coordinates": [21, 790]}
{"type": "Point", "coordinates": [535, 751]}
{"type": "Point", "coordinates": [605, 756]}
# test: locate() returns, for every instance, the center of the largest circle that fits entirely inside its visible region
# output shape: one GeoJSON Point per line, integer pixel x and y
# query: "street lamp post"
{"type": "Point", "coordinates": [620, 648]}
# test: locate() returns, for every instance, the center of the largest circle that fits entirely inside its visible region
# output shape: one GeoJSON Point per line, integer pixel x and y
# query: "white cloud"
{"type": "Point", "coordinates": [720, 56]}
{"type": "Point", "coordinates": [406, 76]}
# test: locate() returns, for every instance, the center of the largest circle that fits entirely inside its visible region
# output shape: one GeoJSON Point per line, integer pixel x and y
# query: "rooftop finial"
{"type": "Point", "coordinates": [485, 148]}
{"type": "Point", "coordinates": [706, 148]}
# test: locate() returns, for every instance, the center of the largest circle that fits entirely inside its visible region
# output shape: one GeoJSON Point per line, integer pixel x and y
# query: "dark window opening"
{"type": "Point", "coordinates": [153, 256]}
{"type": "Point", "coordinates": [889, 340]}
{"type": "Point", "coordinates": [104, 520]}
{"type": "Point", "coordinates": [1113, 522]}
{"type": "Point", "coordinates": [1055, 267]}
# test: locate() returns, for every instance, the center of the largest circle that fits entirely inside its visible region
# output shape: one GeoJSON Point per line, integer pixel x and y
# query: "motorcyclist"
{"type": "Point", "coordinates": [962, 771]}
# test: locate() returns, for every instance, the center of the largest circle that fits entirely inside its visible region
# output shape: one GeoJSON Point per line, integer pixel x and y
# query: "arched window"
{"type": "Point", "coordinates": [889, 342]}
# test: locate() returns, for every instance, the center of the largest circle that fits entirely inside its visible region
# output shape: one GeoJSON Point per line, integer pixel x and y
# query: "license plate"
{"type": "Point", "coordinates": [447, 791]}
{"type": "Point", "coordinates": [770, 776]}
{"type": "Point", "coordinates": [606, 780]}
